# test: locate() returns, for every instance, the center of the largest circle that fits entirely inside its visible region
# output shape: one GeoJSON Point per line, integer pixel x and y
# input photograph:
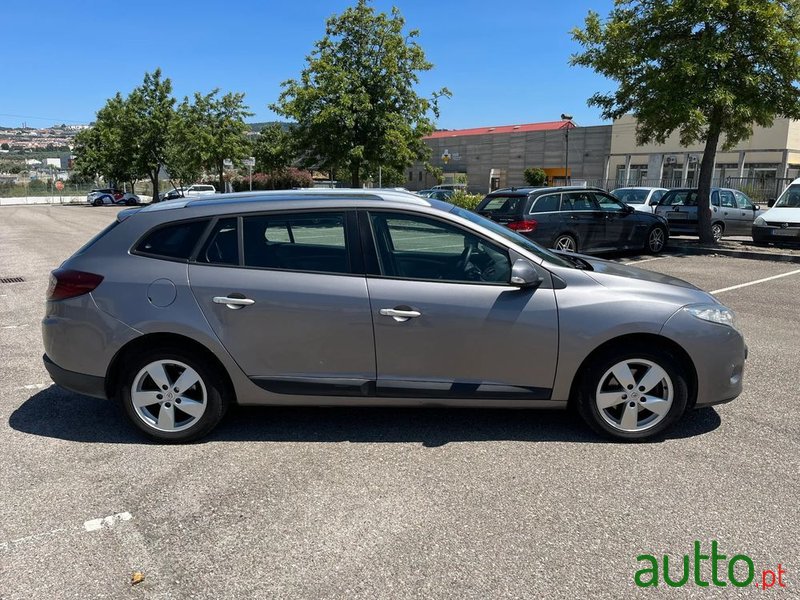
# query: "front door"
{"type": "Point", "coordinates": [620, 223]}
{"type": "Point", "coordinates": [283, 296]}
{"type": "Point", "coordinates": [447, 323]}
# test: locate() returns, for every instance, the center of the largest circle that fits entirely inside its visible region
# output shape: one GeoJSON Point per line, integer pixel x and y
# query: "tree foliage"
{"type": "Point", "coordinates": [273, 149]}
{"type": "Point", "coordinates": [535, 177]}
{"type": "Point", "coordinates": [709, 70]}
{"type": "Point", "coordinates": [355, 102]}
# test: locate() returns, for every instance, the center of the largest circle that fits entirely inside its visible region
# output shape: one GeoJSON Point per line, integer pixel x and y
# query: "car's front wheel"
{"type": "Point", "coordinates": [633, 394]}
{"type": "Point", "coordinates": [656, 240]}
{"type": "Point", "coordinates": [98, 201]}
{"type": "Point", "coordinates": [172, 395]}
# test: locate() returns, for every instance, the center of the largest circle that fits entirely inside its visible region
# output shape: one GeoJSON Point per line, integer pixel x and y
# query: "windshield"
{"type": "Point", "coordinates": [629, 196]}
{"type": "Point", "coordinates": [790, 198]}
{"type": "Point", "coordinates": [514, 237]}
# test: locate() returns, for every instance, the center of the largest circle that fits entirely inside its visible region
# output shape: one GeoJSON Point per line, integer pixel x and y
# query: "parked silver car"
{"type": "Point", "coordinates": [356, 297]}
{"type": "Point", "coordinates": [732, 212]}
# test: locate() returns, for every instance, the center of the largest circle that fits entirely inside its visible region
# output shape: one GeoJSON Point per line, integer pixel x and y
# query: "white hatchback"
{"type": "Point", "coordinates": [644, 199]}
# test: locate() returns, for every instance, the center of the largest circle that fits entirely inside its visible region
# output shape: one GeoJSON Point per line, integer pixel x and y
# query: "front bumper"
{"type": "Point", "coordinates": [89, 385]}
{"type": "Point", "coordinates": [718, 353]}
{"type": "Point", "coordinates": [769, 233]}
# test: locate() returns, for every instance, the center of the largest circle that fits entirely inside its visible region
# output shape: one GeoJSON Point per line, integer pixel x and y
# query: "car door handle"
{"type": "Point", "coordinates": [572, 217]}
{"type": "Point", "coordinates": [400, 315]}
{"type": "Point", "coordinates": [233, 303]}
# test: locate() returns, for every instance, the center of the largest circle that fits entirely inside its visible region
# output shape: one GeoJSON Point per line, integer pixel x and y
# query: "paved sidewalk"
{"type": "Point", "coordinates": [735, 247]}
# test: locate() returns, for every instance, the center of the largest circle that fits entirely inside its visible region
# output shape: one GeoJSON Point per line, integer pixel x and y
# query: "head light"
{"type": "Point", "coordinates": [759, 221]}
{"type": "Point", "coordinates": [713, 313]}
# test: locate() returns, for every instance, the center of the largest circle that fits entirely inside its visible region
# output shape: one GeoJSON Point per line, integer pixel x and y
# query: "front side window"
{"type": "Point", "coordinates": [418, 247]}
{"type": "Point", "coordinates": [579, 201]}
{"type": "Point", "coordinates": [608, 203]}
{"type": "Point", "coordinates": [176, 241]}
{"type": "Point", "coordinates": [743, 201]}
{"type": "Point", "coordinates": [296, 242]}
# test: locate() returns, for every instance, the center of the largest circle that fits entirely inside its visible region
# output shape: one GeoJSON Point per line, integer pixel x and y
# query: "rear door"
{"type": "Point", "coordinates": [286, 295]}
{"type": "Point", "coordinates": [582, 215]}
{"type": "Point", "coordinates": [447, 323]}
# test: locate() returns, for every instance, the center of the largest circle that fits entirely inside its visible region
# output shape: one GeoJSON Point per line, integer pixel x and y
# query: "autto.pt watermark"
{"type": "Point", "coordinates": [738, 570]}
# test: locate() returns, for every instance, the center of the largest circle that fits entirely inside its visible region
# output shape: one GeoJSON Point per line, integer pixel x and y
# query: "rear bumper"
{"type": "Point", "coordinates": [89, 385]}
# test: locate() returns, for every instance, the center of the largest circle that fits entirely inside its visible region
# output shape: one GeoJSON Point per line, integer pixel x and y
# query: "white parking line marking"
{"type": "Point", "coordinates": [741, 285]}
{"type": "Point", "coordinates": [33, 386]}
{"type": "Point", "coordinates": [13, 326]}
{"type": "Point", "coordinates": [638, 262]}
{"type": "Point", "coordinates": [109, 521]}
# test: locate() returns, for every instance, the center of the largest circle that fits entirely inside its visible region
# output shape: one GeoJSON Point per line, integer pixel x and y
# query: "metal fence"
{"type": "Point", "coordinates": [757, 188]}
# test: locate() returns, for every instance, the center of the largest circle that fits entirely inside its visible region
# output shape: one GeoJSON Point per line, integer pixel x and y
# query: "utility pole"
{"type": "Point", "coordinates": [566, 117]}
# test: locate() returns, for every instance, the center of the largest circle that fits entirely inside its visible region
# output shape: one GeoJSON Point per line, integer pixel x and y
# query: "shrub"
{"type": "Point", "coordinates": [535, 177]}
{"type": "Point", "coordinates": [465, 200]}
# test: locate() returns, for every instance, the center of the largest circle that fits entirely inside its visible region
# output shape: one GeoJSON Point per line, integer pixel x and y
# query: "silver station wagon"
{"type": "Point", "coordinates": [359, 297]}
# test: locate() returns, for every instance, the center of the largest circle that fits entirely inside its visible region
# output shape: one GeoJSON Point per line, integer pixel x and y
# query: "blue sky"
{"type": "Point", "coordinates": [505, 61]}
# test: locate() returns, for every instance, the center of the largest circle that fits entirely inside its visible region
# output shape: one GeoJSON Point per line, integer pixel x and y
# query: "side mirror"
{"type": "Point", "coordinates": [524, 274]}
{"type": "Point", "coordinates": [770, 202]}
{"type": "Point", "coordinates": [629, 209]}
{"type": "Point", "coordinates": [756, 208]}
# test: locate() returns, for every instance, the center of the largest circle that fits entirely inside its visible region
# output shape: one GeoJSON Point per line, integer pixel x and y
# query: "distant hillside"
{"type": "Point", "coordinates": [259, 126]}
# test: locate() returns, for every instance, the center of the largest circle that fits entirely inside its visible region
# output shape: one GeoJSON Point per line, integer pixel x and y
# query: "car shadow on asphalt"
{"type": "Point", "coordinates": [57, 413]}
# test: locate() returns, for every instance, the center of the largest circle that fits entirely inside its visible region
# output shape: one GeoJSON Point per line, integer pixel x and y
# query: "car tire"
{"type": "Point", "coordinates": [97, 202]}
{"type": "Point", "coordinates": [171, 414]}
{"type": "Point", "coordinates": [717, 230]}
{"type": "Point", "coordinates": [656, 240]}
{"type": "Point", "coordinates": [566, 243]}
{"type": "Point", "coordinates": [620, 410]}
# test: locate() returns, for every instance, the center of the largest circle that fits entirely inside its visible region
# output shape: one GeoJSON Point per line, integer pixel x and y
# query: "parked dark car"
{"type": "Point", "coordinates": [732, 212]}
{"type": "Point", "coordinates": [575, 219]}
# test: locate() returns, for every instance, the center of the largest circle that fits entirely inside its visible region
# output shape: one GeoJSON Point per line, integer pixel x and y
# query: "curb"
{"type": "Point", "coordinates": [749, 254]}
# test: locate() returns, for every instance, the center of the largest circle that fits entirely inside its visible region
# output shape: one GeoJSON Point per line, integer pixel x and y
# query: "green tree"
{"type": "Point", "coordinates": [4, 146]}
{"type": "Point", "coordinates": [184, 154]}
{"type": "Point", "coordinates": [355, 102]}
{"type": "Point", "coordinates": [152, 111]}
{"type": "Point", "coordinates": [219, 131]}
{"type": "Point", "coordinates": [709, 70]}
{"type": "Point", "coordinates": [273, 149]}
{"type": "Point", "coordinates": [109, 148]}
{"type": "Point", "coordinates": [535, 177]}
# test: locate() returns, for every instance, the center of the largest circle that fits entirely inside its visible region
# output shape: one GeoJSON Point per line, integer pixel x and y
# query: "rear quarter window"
{"type": "Point", "coordinates": [174, 241]}
{"type": "Point", "coordinates": [503, 204]}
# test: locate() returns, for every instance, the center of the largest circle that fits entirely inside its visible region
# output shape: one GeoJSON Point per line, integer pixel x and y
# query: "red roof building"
{"type": "Point", "coordinates": [546, 126]}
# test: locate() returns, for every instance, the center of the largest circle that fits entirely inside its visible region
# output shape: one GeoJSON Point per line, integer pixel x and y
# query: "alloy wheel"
{"type": "Point", "coordinates": [565, 243]}
{"type": "Point", "coordinates": [169, 396]}
{"type": "Point", "coordinates": [716, 231]}
{"type": "Point", "coordinates": [634, 395]}
{"type": "Point", "coordinates": [655, 240]}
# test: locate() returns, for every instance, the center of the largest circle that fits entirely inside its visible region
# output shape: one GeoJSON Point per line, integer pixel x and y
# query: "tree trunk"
{"type": "Point", "coordinates": [355, 175]}
{"type": "Point", "coordinates": [704, 183]}
{"type": "Point", "coordinates": [221, 168]}
{"type": "Point", "coordinates": [154, 181]}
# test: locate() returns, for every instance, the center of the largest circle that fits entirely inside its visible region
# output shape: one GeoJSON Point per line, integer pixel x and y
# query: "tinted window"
{"type": "Point", "coordinates": [297, 242]}
{"type": "Point", "coordinates": [548, 203]}
{"type": "Point", "coordinates": [222, 247]}
{"type": "Point", "coordinates": [679, 198]}
{"type": "Point", "coordinates": [631, 196]}
{"type": "Point", "coordinates": [417, 247]}
{"type": "Point", "coordinates": [502, 205]}
{"type": "Point", "coordinates": [579, 201]}
{"type": "Point", "coordinates": [173, 241]}
{"type": "Point", "coordinates": [608, 203]}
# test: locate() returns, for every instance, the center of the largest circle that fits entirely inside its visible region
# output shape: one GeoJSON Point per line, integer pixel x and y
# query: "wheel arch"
{"type": "Point", "coordinates": [639, 339]}
{"type": "Point", "coordinates": [156, 340]}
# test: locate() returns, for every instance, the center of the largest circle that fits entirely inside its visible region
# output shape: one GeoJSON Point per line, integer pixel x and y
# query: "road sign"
{"type": "Point", "coordinates": [227, 163]}
{"type": "Point", "coordinates": [59, 185]}
{"type": "Point", "coordinates": [250, 162]}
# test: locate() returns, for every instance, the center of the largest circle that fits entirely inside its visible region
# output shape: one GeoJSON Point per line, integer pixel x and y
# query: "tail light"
{"type": "Point", "coordinates": [66, 283]}
{"type": "Point", "coordinates": [526, 226]}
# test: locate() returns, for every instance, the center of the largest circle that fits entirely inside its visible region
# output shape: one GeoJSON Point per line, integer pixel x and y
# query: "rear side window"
{"type": "Point", "coordinates": [222, 247]}
{"type": "Point", "coordinates": [297, 242]}
{"type": "Point", "coordinates": [92, 241]}
{"type": "Point", "coordinates": [680, 198]}
{"type": "Point", "coordinates": [548, 203]}
{"type": "Point", "coordinates": [173, 241]}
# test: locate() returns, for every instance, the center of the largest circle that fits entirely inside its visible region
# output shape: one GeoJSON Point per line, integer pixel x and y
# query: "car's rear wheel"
{"type": "Point", "coordinates": [717, 230]}
{"type": "Point", "coordinates": [633, 394]}
{"type": "Point", "coordinates": [98, 201]}
{"type": "Point", "coordinates": [565, 243]}
{"type": "Point", "coordinates": [172, 395]}
{"type": "Point", "coordinates": [656, 239]}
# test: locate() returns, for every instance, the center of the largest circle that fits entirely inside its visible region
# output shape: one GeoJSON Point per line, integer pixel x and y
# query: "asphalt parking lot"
{"type": "Point", "coordinates": [387, 503]}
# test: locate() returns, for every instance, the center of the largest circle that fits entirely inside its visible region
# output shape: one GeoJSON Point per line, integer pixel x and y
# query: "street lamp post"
{"type": "Point", "coordinates": [567, 178]}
